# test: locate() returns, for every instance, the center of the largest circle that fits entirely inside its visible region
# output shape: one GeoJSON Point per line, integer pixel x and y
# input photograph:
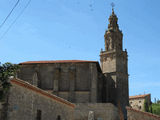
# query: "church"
{"type": "Point", "coordinates": [74, 89]}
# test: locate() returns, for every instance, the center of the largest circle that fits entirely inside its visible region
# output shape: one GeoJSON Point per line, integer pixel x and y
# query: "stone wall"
{"type": "Point", "coordinates": [137, 102]}
{"type": "Point", "coordinates": [1, 110]}
{"type": "Point", "coordinates": [134, 114]}
{"type": "Point", "coordinates": [26, 102]}
{"type": "Point", "coordinates": [115, 67]}
{"type": "Point", "coordinates": [102, 111]}
{"type": "Point", "coordinates": [71, 81]}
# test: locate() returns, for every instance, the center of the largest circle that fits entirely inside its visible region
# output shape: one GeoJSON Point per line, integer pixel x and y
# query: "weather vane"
{"type": "Point", "coordinates": [113, 5]}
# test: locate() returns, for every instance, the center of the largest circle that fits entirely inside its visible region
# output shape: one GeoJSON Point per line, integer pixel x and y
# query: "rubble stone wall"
{"type": "Point", "coordinates": [24, 104]}
{"type": "Point", "coordinates": [101, 111]}
{"type": "Point", "coordinates": [134, 114]}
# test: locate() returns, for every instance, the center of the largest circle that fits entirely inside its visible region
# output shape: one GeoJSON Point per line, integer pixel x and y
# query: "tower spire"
{"type": "Point", "coordinates": [113, 25]}
{"type": "Point", "coordinates": [113, 36]}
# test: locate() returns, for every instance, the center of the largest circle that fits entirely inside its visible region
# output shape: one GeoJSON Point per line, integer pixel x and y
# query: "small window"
{"type": "Point", "coordinates": [58, 117]}
{"type": "Point", "coordinates": [39, 114]}
{"type": "Point", "coordinates": [139, 101]}
{"type": "Point", "coordinates": [99, 119]}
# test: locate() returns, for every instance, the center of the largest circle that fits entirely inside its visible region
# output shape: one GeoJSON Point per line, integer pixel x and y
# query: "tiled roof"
{"type": "Point", "coordinates": [145, 113]}
{"type": "Point", "coordinates": [57, 61]}
{"type": "Point", "coordinates": [40, 91]}
{"type": "Point", "coordinates": [139, 96]}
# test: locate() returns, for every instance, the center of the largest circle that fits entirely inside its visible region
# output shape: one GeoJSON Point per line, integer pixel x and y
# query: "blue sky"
{"type": "Point", "coordinates": [74, 29]}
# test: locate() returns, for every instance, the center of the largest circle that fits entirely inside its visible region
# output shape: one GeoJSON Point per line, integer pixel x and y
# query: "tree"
{"type": "Point", "coordinates": [155, 100]}
{"type": "Point", "coordinates": [7, 70]}
{"type": "Point", "coordinates": [146, 106]}
{"type": "Point", "coordinates": [150, 109]}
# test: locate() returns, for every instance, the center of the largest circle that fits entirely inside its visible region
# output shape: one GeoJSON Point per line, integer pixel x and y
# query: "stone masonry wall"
{"type": "Point", "coordinates": [3, 108]}
{"type": "Point", "coordinates": [138, 103]}
{"type": "Point", "coordinates": [134, 114]}
{"type": "Point", "coordinates": [71, 81]}
{"type": "Point", "coordinates": [24, 103]}
{"type": "Point", "coordinates": [0, 110]}
{"type": "Point", "coordinates": [102, 111]}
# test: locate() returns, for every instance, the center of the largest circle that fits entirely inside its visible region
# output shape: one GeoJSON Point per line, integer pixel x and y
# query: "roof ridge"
{"type": "Point", "coordinates": [147, 113]}
{"type": "Point", "coordinates": [139, 96]}
{"type": "Point", "coordinates": [55, 61]}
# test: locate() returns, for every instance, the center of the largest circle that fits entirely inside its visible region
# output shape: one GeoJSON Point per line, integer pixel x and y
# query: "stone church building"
{"type": "Point", "coordinates": [84, 85]}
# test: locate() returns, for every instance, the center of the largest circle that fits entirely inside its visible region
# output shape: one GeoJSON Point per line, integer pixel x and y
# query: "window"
{"type": "Point", "coordinates": [58, 117]}
{"type": "Point", "coordinates": [39, 114]}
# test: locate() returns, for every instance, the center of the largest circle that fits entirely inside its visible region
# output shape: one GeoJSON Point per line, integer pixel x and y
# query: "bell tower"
{"type": "Point", "coordinates": [114, 64]}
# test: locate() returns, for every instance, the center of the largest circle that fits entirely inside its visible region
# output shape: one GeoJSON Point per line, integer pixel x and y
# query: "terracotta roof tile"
{"type": "Point", "coordinates": [139, 96]}
{"type": "Point", "coordinates": [40, 91]}
{"type": "Point", "coordinates": [57, 61]}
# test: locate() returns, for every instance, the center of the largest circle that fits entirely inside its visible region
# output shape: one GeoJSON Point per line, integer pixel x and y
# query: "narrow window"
{"type": "Point", "coordinates": [39, 114]}
{"type": "Point", "coordinates": [58, 117]}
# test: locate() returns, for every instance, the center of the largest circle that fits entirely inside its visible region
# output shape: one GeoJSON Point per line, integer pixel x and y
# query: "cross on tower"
{"type": "Point", "coordinates": [113, 5]}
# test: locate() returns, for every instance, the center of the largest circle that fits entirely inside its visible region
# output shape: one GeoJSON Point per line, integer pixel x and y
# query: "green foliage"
{"type": "Point", "coordinates": [7, 70]}
{"type": "Point", "coordinates": [150, 109]}
{"type": "Point", "coordinates": [146, 106]}
{"type": "Point", "coordinates": [156, 109]}
{"type": "Point", "coordinates": [157, 101]}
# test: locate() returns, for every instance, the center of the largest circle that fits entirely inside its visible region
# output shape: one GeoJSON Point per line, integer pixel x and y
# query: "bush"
{"type": "Point", "coordinates": [156, 108]}
{"type": "Point", "coordinates": [6, 71]}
